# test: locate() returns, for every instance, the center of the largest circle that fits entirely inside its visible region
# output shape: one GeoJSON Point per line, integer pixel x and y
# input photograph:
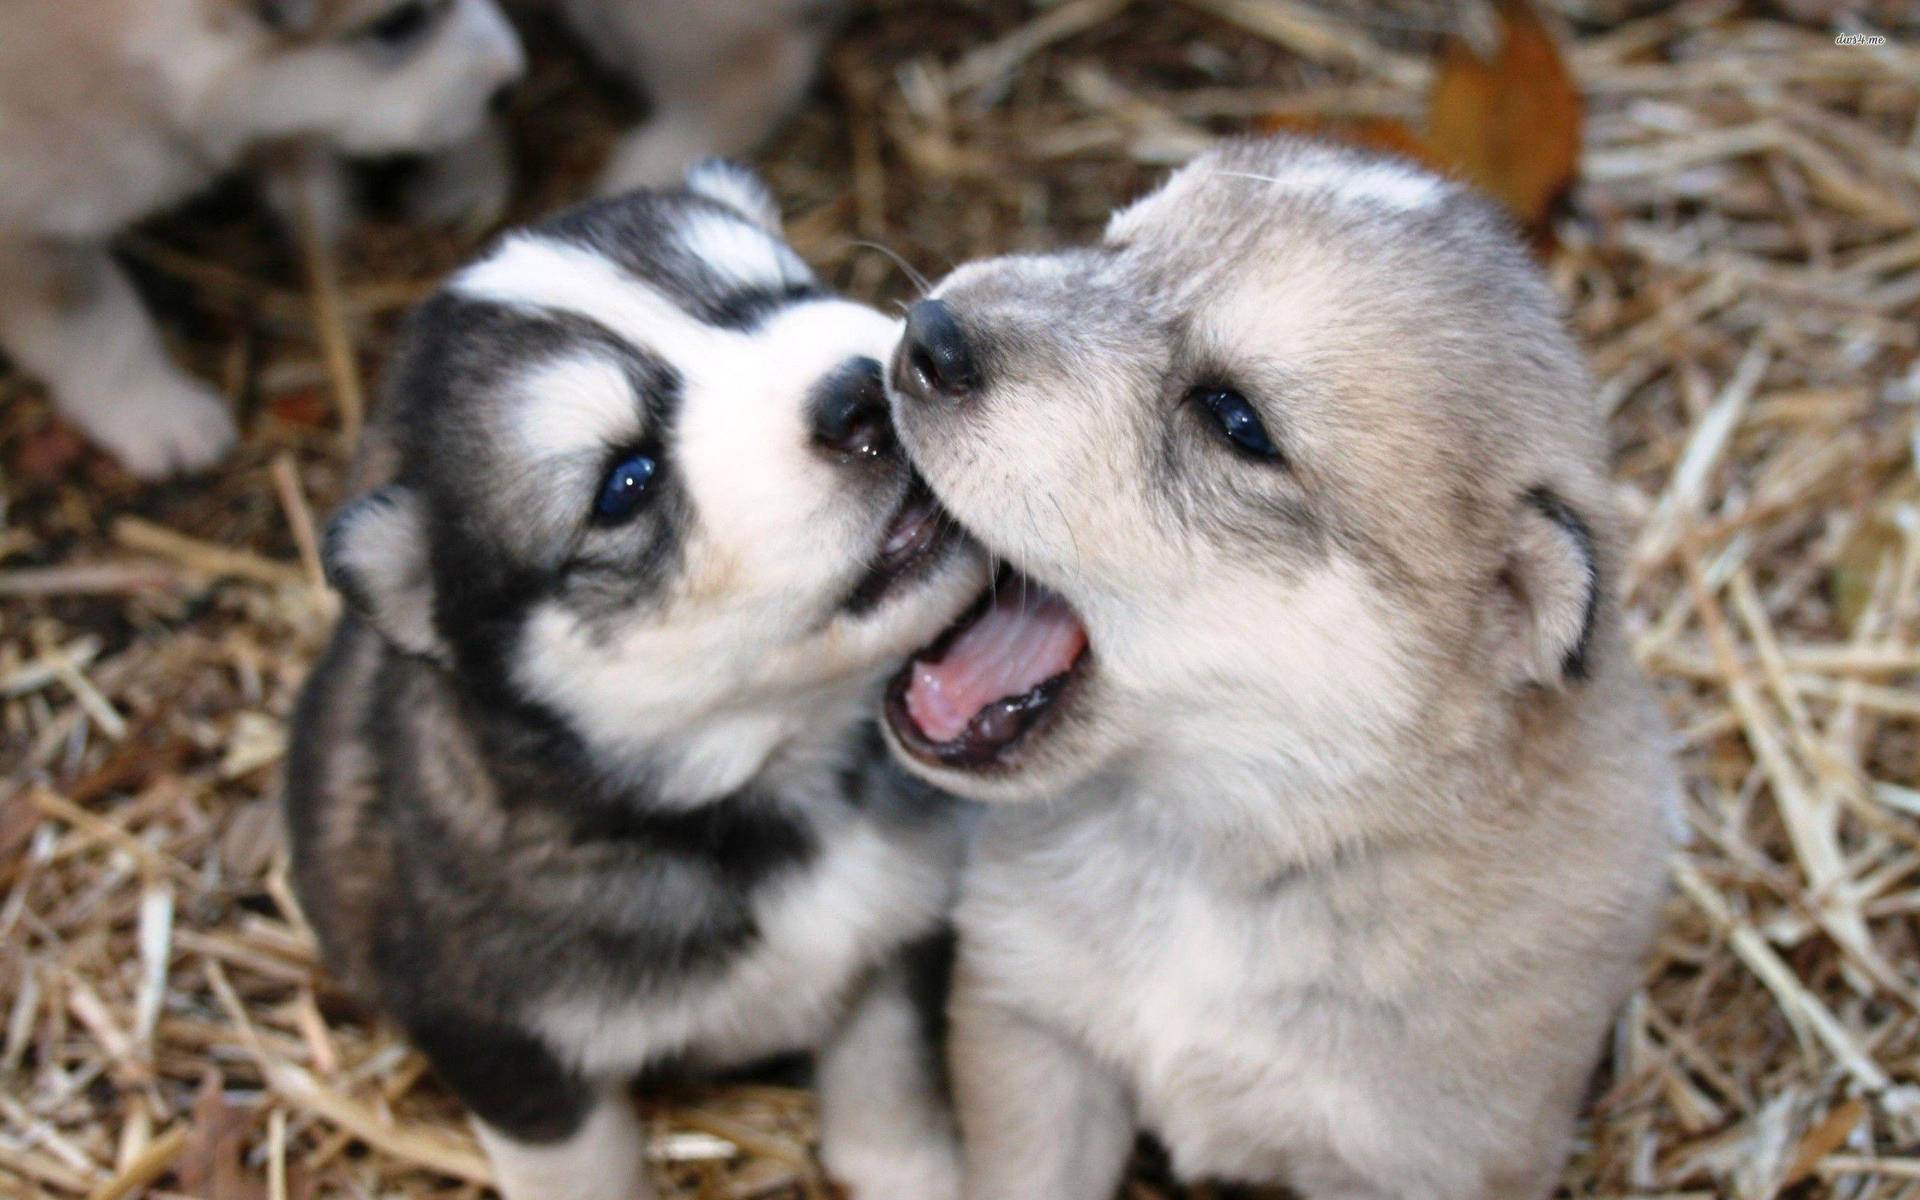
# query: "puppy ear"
{"type": "Point", "coordinates": [376, 555]}
{"type": "Point", "coordinates": [288, 16]}
{"type": "Point", "coordinates": [738, 188]}
{"type": "Point", "coordinates": [1549, 593]}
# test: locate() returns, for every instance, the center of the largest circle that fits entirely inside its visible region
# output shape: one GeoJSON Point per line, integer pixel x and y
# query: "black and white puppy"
{"type": "Point", "coordinates": [587, 784]}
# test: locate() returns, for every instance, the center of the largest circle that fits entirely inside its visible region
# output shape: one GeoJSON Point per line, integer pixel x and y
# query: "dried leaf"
{"type": "Point", "coordinates": [1510, 127]}
{"type": "Point", "coordinates": [252, 834]}
{"type": "Point", "coordinates": [308, 408]}
{"type": "Point", "coordinates": [46, 455]}
{"type": "Point", "coordinates": [210, 1166]}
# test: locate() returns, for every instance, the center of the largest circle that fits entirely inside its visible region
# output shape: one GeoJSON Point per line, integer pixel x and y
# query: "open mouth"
{"type": "Point", "coordinates": [991, 679]}
{"type": "Point", "coordinates": [911, 543]}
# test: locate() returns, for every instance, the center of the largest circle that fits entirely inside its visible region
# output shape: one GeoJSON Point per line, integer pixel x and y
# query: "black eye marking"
{"type": "Point", "coordinates": [1235, 418]}
{"type": "Point", "coordinates": [625, 486]}
{"type": "Point", "coordinates": [404, 25]}
{"type": "Point", "coordinates": [288, 16]}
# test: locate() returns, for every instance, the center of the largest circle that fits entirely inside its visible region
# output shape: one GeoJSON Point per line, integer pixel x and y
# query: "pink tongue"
{"type": "Point", "coordinates": [1017, 644]}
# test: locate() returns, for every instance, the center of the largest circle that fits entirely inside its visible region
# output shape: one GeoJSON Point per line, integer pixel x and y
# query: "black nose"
{"type": "Point", "coordinates": [850, 410]}
{"type": "Point", "coordinates": [935, 362]}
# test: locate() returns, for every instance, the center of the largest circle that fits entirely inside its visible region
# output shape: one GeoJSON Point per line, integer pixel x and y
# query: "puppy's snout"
{"type": "Point", "coordinates": [850, 411]}
{"type": "Point", "coordinates": [935, 361]}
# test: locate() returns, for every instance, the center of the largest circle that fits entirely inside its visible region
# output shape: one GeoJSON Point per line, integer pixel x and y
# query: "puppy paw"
{"type": "Point", "coordinates": [656, 156]}
{"type": "Point", "coordinates": [928, 1170]}
{"type": "Point", "coordinates": [165, 425]}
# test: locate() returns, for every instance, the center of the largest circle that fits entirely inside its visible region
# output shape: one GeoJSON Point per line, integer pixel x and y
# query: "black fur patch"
{"type": "Point", "coordinates": [556, 877]}
{"type": "Point", "coordinates": [743, 838]}
{"type": "Point", "coordinates": [747, 310]}
{"type": "Point", "coordinates": [504, 1074]}
{"type": "Point", "coordinates": [1553, 508]}
{"type": "Point", "coordinates": [928, 964]}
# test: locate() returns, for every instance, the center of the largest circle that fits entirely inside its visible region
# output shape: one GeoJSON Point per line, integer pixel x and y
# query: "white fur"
{"type": "Point", "coordinates": [361, 105]}
{"type": "Point", "coordinates": [97, 348]}
{"type": "Point", "coordinates": [585, 405]}
{"type": "Point", "coordinates": [736, 187]}
{"type": "Point", "coordinates": [1343, 699]}
{"type": "Point", "coordinates": [789, 989]}
{"type": "Point", "coordinates": [879, 1130]}
{"type": "Point", "coordinates": [1383, 183]}
{"type": "Point", "coordinates": [539, 273]}
{"type": "Point", "coordinates": [1312, 171]}
{"type": "Point", "coordinates": [744, 254]}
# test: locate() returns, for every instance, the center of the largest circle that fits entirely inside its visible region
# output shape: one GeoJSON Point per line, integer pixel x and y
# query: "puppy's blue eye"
{"type": "Point", "coordinates": [625, 487]}
{"type": "Point", "coordinates": [1237, 421]}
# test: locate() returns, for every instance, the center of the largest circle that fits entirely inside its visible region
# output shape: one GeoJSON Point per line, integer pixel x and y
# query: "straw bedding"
{"type": "Point", "coordinates": [1742, 259]}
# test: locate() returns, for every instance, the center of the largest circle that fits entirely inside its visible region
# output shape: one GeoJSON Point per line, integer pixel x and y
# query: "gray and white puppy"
{"type": "Point", "coordinates": [719, 77]}
{"type": "Point", "coordinates": [721, 74]}
{"type": "Point", "coordinates": [113, 109]}
{"type": "Point", "coordinates": [588, 784]}
{"type": "Point", "coordinates": [1345, 818]}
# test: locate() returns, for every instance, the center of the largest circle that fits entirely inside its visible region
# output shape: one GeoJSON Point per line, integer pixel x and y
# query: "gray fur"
{"type": "Point", "coordinates": [1327, 867]}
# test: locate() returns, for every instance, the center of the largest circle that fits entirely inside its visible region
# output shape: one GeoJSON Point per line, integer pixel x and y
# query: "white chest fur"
{"type": "Point", "coordinates": [819, 934]}
{"type": "Point", "coordinates": [1255, 1028]}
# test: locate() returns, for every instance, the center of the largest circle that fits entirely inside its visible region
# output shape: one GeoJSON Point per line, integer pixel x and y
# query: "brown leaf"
{"type": "Point", "coordinates": [1510, 127]}
{"type": "Point", "coordinates": [49, 453]}
{"type": "Point", "coordinates": [211, 1165]}
{"type": "Point", "coordinates": [309, 408]}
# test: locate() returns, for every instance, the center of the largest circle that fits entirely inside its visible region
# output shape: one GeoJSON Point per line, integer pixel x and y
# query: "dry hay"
{"type": "Point", "coordinates": [1743, 263]}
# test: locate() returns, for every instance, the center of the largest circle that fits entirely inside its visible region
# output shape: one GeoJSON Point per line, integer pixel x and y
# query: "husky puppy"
{"type": "Point", "coordinates": [720, 74]}
{"type": "Point", "coordinates": [588, 784]}
{"type": "Point", "coordinates": [111, 109]}
{"type": "Point", "coordinates": [1345, 809]}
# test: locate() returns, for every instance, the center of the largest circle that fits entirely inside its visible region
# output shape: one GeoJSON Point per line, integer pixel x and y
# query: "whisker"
{"type": "Point", "coordinates": [906, 268]}
{"type": "Point", "coordinates": [1247, 175]}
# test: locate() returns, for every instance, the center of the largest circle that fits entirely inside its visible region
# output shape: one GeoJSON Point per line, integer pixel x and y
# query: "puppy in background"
{"type": "Point", "coordinates": [588, 784]}
{"type": "Point", "coordinates": [112, 109]}
{"type": "Point", "coordinates": [720, 75]}
{"type": "Point", "coordinates": [1330, 812]}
